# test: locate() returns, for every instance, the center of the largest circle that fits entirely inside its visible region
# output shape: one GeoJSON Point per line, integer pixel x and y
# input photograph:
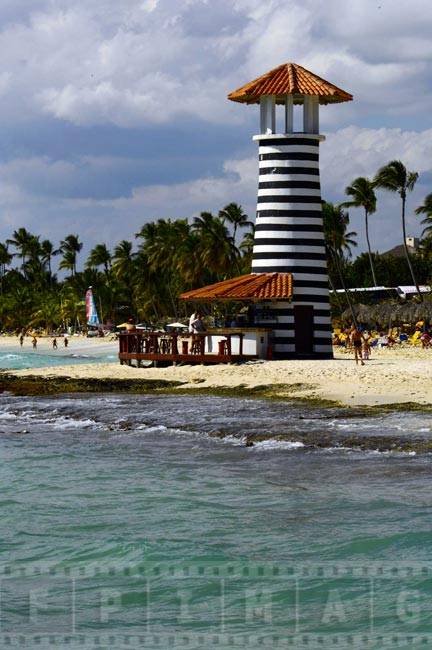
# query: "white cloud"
{"type": "Point", "coordinates": [139, 62]}
{"type": "Point", "coordinates": [353, 152]}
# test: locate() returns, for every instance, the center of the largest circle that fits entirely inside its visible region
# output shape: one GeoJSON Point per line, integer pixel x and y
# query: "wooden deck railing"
{"type": "Point", "coordinates": [173, 347]}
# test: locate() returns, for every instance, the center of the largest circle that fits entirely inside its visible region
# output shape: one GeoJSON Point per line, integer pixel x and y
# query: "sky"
{"type": "Point", "coordinates": [114, 114]}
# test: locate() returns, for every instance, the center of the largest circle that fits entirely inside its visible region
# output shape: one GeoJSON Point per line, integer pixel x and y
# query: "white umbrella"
{"type": "Point", "coordinates": [176, 325]}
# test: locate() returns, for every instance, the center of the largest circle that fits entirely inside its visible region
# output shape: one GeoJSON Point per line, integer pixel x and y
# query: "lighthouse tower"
{"type": "Point", "coordinates": [289, 229]}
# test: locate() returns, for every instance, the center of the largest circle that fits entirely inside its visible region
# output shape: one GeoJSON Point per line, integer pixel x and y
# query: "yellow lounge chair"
{"type": "Point", "coordinates": [415, 339]}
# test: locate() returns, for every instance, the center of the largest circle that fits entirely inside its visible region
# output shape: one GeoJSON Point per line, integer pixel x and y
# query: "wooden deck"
{"type": "Point", "coordinates": [162, 348]}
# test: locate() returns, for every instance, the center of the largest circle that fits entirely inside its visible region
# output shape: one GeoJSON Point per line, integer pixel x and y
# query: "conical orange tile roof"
{"type": "Point", "coordinates": [289, 79]}
{"type": "Point", "coordinates": [255, 286]}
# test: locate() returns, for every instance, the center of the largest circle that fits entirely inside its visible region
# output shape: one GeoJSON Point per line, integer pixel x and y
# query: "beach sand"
{"type": "Point", "coordinates": [392, 376]}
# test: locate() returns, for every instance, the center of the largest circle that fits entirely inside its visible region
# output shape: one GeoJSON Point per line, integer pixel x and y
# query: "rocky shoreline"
{"type": "Point", "coordinates": [55, 384]}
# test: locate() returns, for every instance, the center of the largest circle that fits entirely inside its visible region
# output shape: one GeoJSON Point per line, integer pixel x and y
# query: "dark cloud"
{"type": "Point", "coordinates": [204, 20]}
{"type": "Point", "coordinates": [63, 160]}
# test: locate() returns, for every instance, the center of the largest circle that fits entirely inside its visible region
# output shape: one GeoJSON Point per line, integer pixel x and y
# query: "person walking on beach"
{"type": "Point", "coordinates": [65, 340]}
{"type": "Point", "coordinates": [365, 349]}
{"type": "Point", "coordinates": [34, 343]}
{"type": "Point", "coordinates": [356, 339]}
{"type": "Point", "coordinates": [54, 343]}
{"type": "Point", "coordinates": [21, 339]}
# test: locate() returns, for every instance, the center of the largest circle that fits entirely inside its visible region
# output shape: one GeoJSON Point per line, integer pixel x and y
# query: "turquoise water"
{"type": "Point", "coordinates": [15, 358]}
{"type": "Point", "coordinates": [126, 524]}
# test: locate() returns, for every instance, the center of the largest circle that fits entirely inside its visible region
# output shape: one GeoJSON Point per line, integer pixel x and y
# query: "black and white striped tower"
{"type": "Point", "coordinates": [289, 230]}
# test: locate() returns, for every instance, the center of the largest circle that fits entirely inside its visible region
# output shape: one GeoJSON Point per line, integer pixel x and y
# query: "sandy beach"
{"type": "Point", "coordinates": [391, 376]}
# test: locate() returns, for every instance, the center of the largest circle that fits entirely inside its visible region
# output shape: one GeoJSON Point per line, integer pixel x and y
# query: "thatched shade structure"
{"type": "Point", "coordinates": [391, 313]}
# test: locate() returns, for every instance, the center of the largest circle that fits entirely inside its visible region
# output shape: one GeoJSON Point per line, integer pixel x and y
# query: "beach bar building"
{"type": "Point", "coordinates": [289, 237]}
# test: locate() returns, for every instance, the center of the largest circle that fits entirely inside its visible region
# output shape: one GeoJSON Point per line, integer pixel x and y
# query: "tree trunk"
{"type": "Point", "coordinates": [348, 299]}
{"type": "Point", "coordinates": [335, 293]}
{"type": "Point", "coordinates": [369, 249]}
{"type": "Point", "coordinates": [407, 252]}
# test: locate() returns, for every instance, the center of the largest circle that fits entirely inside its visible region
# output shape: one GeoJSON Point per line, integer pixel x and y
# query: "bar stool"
{"type": "Point", "coordinates": [196, 346]}
{"type": "Point", "coordinates": [148, 345]}
{"type": "Point", "coordinates": [223, 347]}
{"type": "Point", "coordinates": [165, 346]}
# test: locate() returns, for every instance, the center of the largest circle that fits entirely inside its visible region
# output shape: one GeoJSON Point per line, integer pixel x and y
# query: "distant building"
{"type": "Point", "coordinates": [375, 294]}
{"type": "Point", "coordinates": [413, 242]}
{"type": "Point", "coordinates": [408, 291]}
{"type": "Point", "coordinates": [399, 251]}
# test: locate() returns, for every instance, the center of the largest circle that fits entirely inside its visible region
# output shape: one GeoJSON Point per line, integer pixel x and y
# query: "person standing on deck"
{"type": "Point", "coordinates": [197, 324]}
{"type": "Point", "coordinates": [197, 329]}
{"type": "Point", "coordinates": [191, 320]}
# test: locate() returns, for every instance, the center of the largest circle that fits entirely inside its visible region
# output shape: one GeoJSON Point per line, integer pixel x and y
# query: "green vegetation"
{"type": "Point", "coordinates": [170, 257]}
{"type": "Point", "coordinates": [144, 278]}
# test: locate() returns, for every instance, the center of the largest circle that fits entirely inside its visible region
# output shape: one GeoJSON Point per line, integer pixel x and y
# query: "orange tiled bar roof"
{"type": "Point", "coordinates": [256, 286]}
{"type": "Point", "coordinates": [289, 79]}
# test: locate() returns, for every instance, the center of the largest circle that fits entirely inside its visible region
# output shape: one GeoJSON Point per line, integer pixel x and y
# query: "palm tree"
{"type": "Point", "coordinates": [246, 249]}
{"type": "Point", "coordinates": [425, 250]}
{"type": "Point", "coordinates": [338, 241]}
{"type": "Point", "coordinates": [48, 313]}
{"type": "Point", "coordinates": [160, 252]}
{"type": "Point", "coordinates": [363, 196]}
{"type": "Point", "coordinates": [68, 262]}
{"type": "Point", "coordinates": [217, 249]}
{"type": "Point", "coordinates": [426, 209]}
{"type": "Point", "coordinates": [100, 256]}
{"type": "Point", "coordinates": [47, 252]}
{"type": "Point", "coordinates": [22, 240]}
{"type": "Point", "coordinates": [233, 213]}
{"type": "Point", "coordinates": [70, 246]}
{"type": "Point", "coordinates": [394, 177]}
{"type": "Point", "coordinates": [20, 303]}
{"type": "Point", "coordinates": [5, 260]}
{"type": "Point", "coordinates": [123, 265]}
{"type": "Point", "coordinates": [126, 276]}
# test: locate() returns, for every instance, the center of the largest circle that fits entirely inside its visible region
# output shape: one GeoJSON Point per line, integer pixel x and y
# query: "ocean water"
{"type": "Point", "coordinates": [77, 352]}
{"type": "Point", "coordinates": [145, 521]}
